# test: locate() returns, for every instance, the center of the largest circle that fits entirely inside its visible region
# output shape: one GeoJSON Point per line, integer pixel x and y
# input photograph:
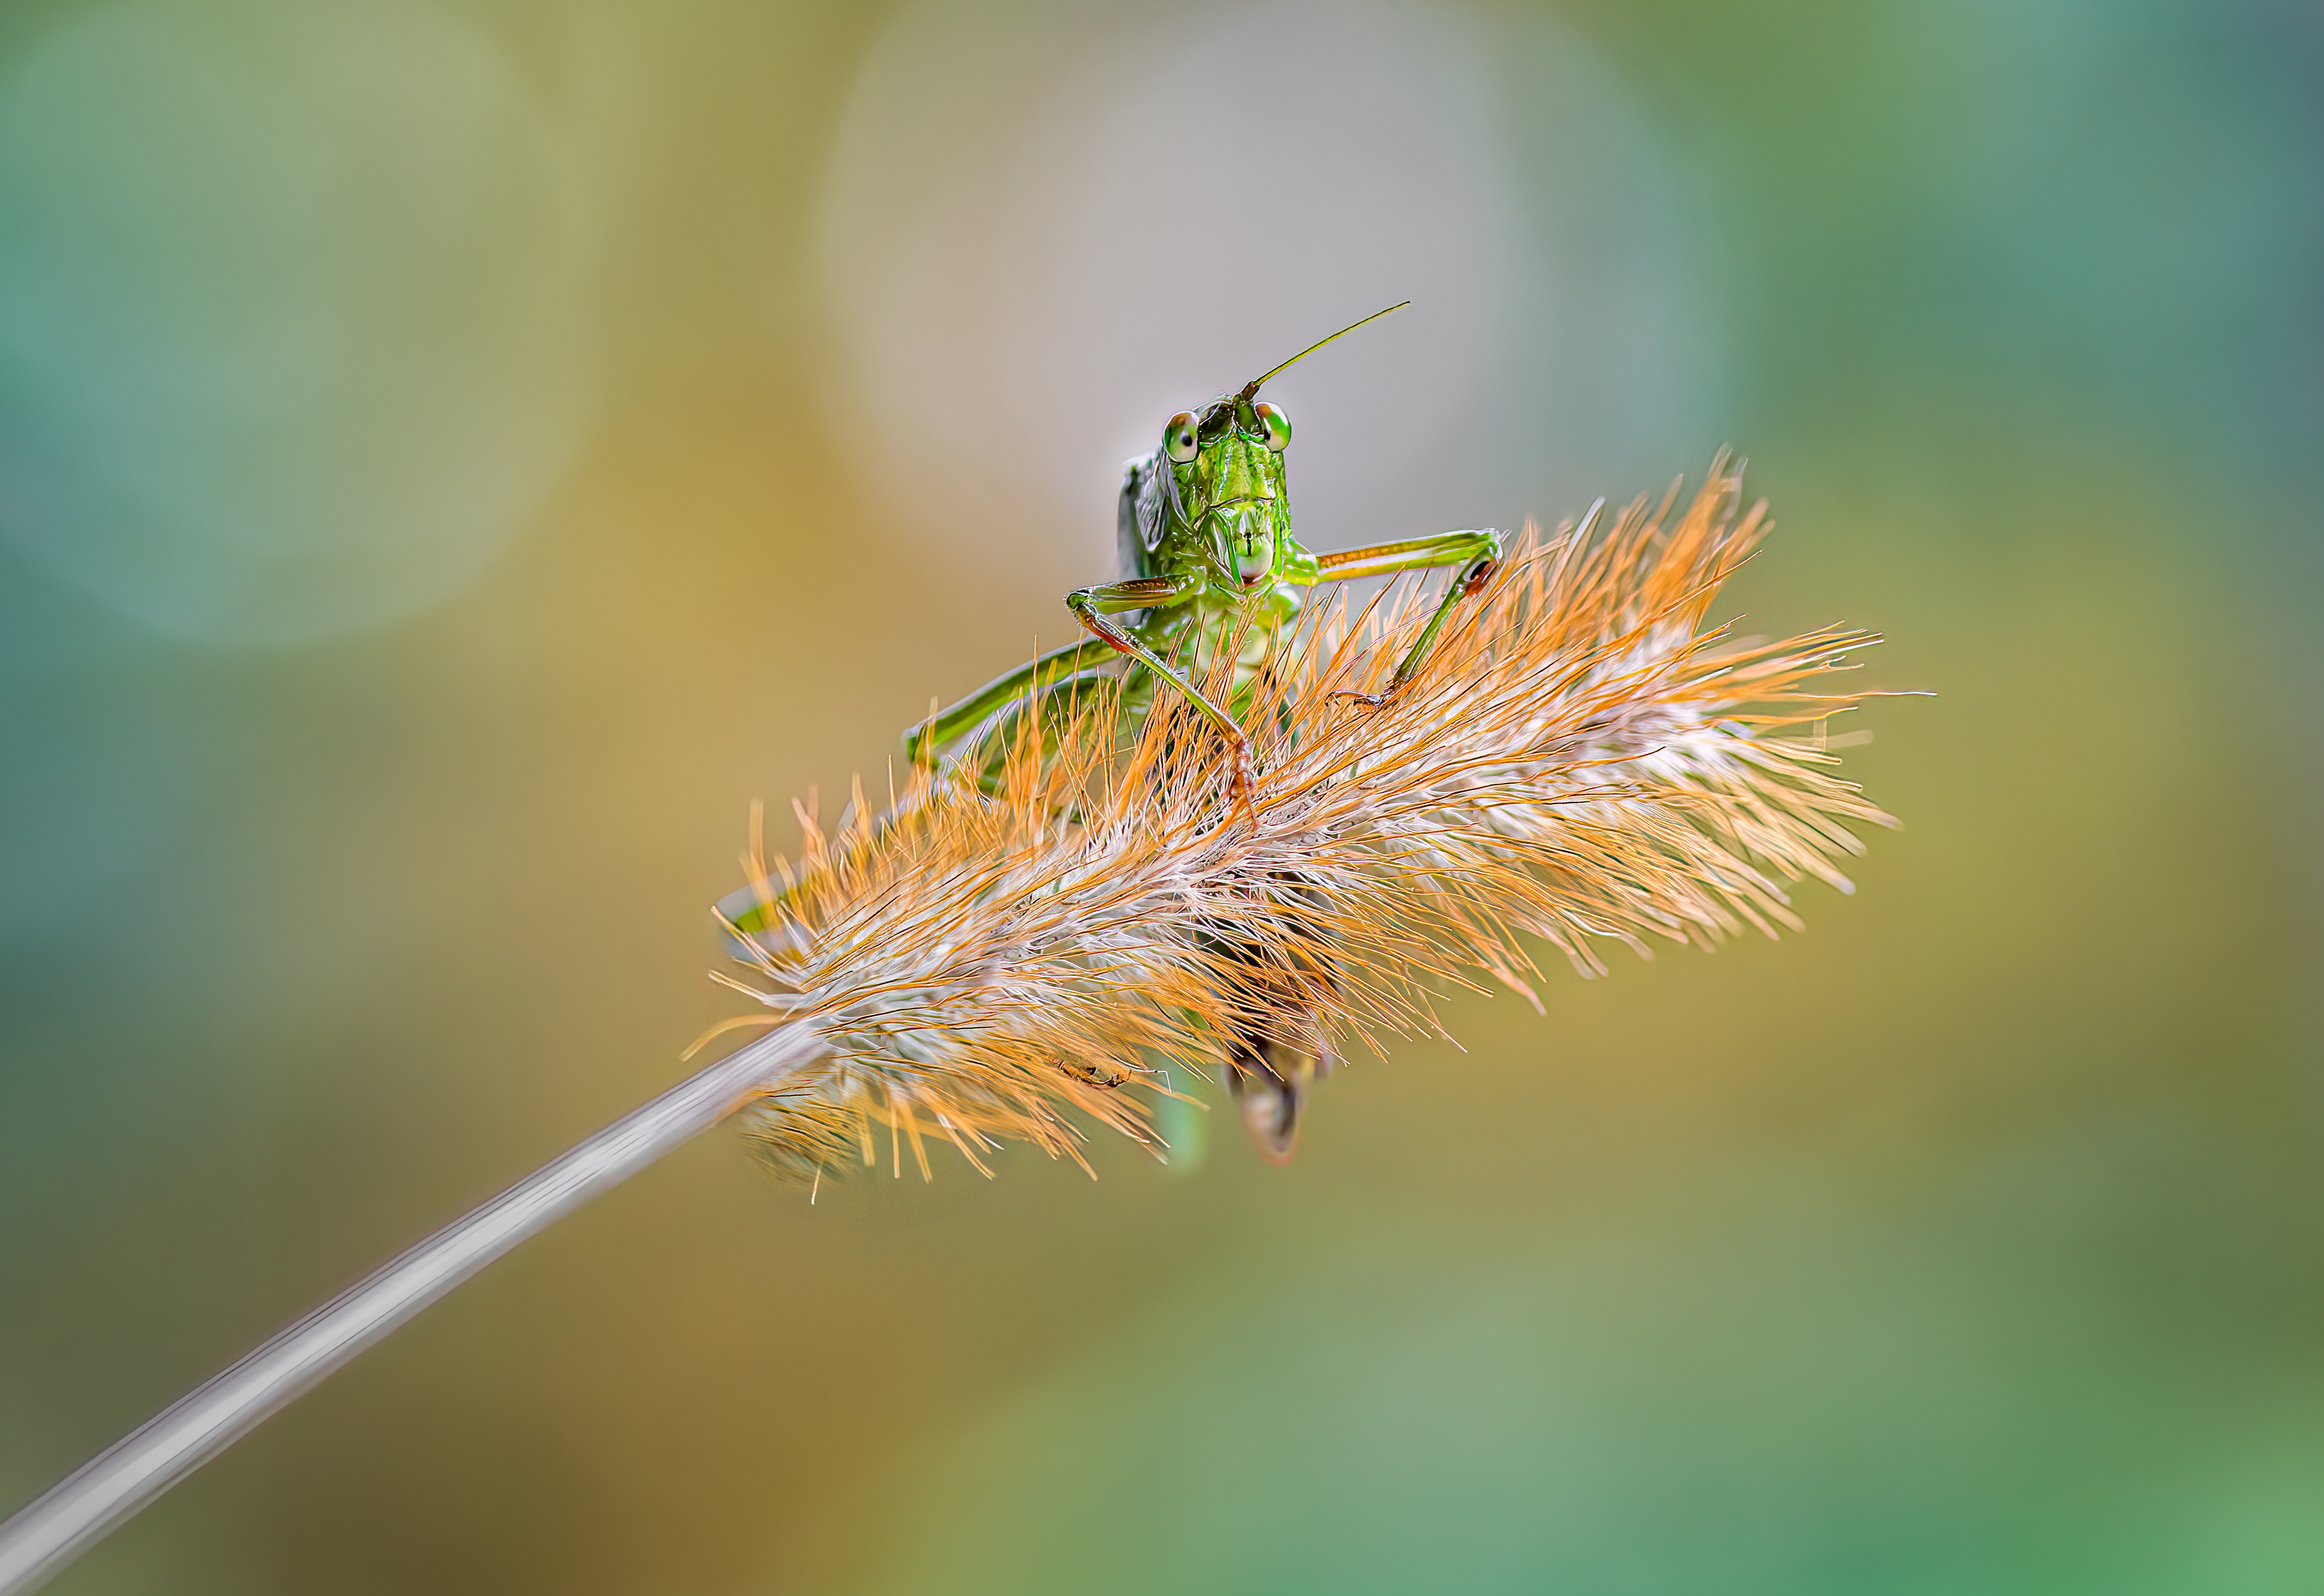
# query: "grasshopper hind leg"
{"type": "Point", "coordinates": [1063, 708]}
{"type": "Point", "coordinates": [968, 743]}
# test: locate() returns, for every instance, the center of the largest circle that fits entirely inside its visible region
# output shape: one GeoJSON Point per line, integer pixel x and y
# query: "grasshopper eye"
{"type": "Point", "coordinates": [1275, 425]}
{"type": "Point", "coordinates": [1181, 436]}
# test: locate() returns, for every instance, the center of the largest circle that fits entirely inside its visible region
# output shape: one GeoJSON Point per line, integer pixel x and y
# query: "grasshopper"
{"type": "Point", "coordinates": [1209, 565]}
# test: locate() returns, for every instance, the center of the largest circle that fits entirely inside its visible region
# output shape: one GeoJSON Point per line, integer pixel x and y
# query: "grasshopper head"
{"type": "Point", "coordinates": [1226, 471]}
{"type": "Point", "coordinates": [1225, 476]}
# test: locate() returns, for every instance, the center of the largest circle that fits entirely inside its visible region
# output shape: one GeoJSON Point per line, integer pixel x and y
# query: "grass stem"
{"type": "Point", "coordinates": [56, 1526]}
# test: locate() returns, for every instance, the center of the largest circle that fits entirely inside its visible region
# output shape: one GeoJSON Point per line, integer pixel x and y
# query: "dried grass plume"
{"type": "Point", "coordinates": [1584, 761]}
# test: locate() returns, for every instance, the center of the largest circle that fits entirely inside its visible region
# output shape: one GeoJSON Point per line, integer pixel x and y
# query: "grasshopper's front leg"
{"type": "Point", "coordinates": [1477, 552]}
{"type": "Point", "coordinates": [1094, 606]}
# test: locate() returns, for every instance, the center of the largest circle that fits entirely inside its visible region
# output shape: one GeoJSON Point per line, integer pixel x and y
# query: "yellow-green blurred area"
{"type": "Point", "coordinates": [454, 457]}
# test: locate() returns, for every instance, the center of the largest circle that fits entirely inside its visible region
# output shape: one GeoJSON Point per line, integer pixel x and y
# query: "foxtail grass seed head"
{"type": "Point", "coordinates": [1584, 761]}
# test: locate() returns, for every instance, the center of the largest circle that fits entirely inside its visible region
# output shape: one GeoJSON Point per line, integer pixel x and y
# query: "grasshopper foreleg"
{"type": "Point", "coordinates": [1096, 607]}
{"type": "Point", "coordinates": [1477, 553]}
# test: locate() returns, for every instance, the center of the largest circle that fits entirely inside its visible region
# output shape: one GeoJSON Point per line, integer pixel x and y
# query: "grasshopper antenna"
{"type": "Point", "coordinates": [1251, 391]}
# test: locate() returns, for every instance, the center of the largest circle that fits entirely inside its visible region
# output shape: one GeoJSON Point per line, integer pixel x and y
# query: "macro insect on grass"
{"type": "Point", "coordinates": [1213, 583]}
{"type": "Point", "coordinates": [1283, 829]}
{"type": "Point", "coordinates": [1210, 568]}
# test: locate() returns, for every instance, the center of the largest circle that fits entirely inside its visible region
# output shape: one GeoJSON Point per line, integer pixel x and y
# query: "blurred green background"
{"type": "Point", "coordinates": [453, 457]}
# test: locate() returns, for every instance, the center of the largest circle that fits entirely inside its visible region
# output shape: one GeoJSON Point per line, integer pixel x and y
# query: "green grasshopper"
{"type": "Point", "coordinates": [1209, 565]}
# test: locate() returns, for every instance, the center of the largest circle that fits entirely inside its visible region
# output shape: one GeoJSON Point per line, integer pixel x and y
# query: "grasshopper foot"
{"type": "Point", "coordinates": [1243, 783]}
{"type": "Point", "coordinates": [1369, 700]}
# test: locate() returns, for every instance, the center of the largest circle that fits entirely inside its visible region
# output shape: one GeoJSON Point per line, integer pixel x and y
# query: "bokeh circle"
{"type": "Point", "coordinates": [294, 336]}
